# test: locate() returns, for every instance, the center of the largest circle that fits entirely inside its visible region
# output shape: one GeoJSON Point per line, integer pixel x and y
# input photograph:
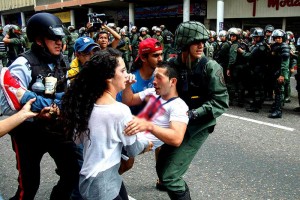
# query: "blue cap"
{"type": "Point", "coordinates": [84, 44]}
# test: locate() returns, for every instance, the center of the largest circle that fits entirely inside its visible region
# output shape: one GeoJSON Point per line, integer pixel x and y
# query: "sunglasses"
{"type": "Point", "coordinates": [55, 37]}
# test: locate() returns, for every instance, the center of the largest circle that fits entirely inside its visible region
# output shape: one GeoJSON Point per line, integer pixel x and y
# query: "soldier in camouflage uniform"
{"type": "Point", "coordinates": [236, 68]}
{"type": "Point", "coordinates": [71, 41]}
{"type": "Point", "coordinates": [134, 39]}
{"type": "Point", "coordinates": [144, 34]}
{"type": "Point", "coordinates": [15, 43]}
{"type": "Point", "coordinates": [280, 65]}
{"type": "Point", "coordinates": [213, 42]}
{"type": "Point", "coordinates": [293, 62]}
{"type": "Point", "coordinates": [126, 49]}
{"type": "Point", "coordinates": [27, 42]}
{"type": "Point", "coordinates": [3, 49]}
{"type": "Point", "coordinates": [158, 36]}
{"type": "Point", "coordinates": [168, 41]}
{"type": "Point", "coordinates": [201, 85]}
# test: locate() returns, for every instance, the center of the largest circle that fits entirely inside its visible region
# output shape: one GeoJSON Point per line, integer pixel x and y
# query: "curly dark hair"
{"type": "Point", "coordinates": [85, 89]}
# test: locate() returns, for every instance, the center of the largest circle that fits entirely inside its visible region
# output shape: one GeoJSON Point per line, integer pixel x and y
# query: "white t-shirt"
{"type": "Point", "coordinates": [103, 149]}
{"type": "Point", "coordinates": [161, 113]}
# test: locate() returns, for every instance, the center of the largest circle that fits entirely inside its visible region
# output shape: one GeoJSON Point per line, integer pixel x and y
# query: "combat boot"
{"type": "Point", "coordinates": [276, 114]}
{"type": "Point", "coordinates": [185, 195]}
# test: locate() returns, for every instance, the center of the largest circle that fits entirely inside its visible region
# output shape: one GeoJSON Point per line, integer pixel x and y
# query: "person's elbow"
{"type": "Point", "coordinates": [176, 141]}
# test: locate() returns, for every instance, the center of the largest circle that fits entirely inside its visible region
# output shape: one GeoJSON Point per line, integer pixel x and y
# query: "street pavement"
{"type": "Point", "coordinates": [249, 156]}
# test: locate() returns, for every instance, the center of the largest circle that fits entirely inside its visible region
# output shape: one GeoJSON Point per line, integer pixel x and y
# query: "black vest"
{"type": "Point", "coordinates": [39, 67]}
{"type": "Point", "coordinates": [192, 85]}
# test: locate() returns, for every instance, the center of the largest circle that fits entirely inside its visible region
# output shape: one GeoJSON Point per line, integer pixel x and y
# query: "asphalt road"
{"type": "Point", "coordinates": [249, 156]}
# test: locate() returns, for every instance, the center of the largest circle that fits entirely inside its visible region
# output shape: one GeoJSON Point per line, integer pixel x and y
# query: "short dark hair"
{"type": "Point", "coordinates": [171, 70]}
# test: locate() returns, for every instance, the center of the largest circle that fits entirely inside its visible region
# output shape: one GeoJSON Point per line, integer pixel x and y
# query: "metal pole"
{"type": "Point", "coordinates": [72, 18]}
{"type": "Point", "coordinates": [220, 16]}
{"type": "Point", "coordinates": [131, 15]}
{"type": "Point", "coordinates": [186, 10]}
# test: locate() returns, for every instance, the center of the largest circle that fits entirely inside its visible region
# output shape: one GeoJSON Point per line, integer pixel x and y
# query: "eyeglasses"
{"type": "Point", "coordinates": [156, 55]}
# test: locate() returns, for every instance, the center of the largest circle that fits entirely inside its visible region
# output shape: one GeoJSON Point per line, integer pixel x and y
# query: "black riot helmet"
{"type": "Point", "coordinates": [269, 27]}
{"type": "Point", "coordinates": [258, 32]}
{"type": "Point", "coordinates": [45, 25]}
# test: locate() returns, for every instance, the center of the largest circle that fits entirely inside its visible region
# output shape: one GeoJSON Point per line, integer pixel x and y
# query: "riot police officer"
{"type": "Point", "coordinates": [268, 85]}
{"type": "Point", "coordinates": [32, 139]}
{"type": "Point", "coordinates": [280, 65]}
{"type": "Point", "coordinates": [257, 62]}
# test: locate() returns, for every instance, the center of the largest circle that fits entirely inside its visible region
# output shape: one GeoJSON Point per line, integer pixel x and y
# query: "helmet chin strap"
{"type": "Point", "coordinates": [45, 47]}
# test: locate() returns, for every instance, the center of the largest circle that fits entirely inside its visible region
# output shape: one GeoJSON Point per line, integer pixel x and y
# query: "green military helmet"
{"type": "Point", "coordinates": [189, 32]}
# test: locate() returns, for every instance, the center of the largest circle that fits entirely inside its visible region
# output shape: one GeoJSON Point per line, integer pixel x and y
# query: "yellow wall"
{"type": "Point", "coordinates": [13, 4]}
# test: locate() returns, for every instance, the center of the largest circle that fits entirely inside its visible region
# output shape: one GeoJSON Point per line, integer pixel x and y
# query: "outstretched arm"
{"type": "Point", "coordinates": [171, 136]}
{"type": "Point", "coordinates": [11, 122]}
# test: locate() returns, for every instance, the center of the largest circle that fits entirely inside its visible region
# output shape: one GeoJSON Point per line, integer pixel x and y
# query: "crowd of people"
{"type": "Point", "coordinates": [96, 98]}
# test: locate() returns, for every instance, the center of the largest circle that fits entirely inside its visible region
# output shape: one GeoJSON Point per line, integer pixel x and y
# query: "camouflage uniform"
{"type": "Point", "coordinates": [201, 85]}
{"type": "Point", "coordinates": [3, 51]}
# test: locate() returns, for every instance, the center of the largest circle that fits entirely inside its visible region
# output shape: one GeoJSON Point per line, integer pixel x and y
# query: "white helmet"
{"type": "Point", "coordinates": [222, 33]}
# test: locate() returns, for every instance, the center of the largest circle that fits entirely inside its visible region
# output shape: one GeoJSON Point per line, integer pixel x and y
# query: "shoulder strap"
{"type": "Point", "coordinates": [201, 65]}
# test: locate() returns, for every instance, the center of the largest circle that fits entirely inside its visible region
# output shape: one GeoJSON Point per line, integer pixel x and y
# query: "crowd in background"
{"type": "Point", "coordinates": [253, 64]}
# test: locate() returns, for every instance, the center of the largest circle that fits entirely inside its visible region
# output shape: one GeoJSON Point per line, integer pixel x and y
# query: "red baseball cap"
{"type": "Point", "coordinates": [149, 45]}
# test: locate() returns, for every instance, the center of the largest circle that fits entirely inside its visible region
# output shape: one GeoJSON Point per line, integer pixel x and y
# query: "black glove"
{"type": "Point", "coordinates": [193, 114]}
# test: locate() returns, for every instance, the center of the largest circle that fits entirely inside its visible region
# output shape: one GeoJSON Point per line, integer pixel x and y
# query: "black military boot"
{"type": "Point", "coordinates": [185, 195]}
{"type": "Point", "coordinates": [276, 114]}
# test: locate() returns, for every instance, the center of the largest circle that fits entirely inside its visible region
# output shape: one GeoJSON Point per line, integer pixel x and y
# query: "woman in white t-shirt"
{"type": "Point", "coordinates": [93, 117]}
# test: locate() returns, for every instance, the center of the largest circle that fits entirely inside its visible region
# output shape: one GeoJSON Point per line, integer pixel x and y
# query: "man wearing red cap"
{"type": "Point", "coordinates": [150, 54]}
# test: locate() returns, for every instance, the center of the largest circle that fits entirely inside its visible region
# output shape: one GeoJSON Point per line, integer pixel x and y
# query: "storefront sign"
{"type": "Point", "coordinates": [276, 4]}
{"type": "Point", "coordinates": [283, 3]}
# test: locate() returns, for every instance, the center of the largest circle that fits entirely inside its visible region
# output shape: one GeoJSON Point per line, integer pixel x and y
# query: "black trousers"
{"type": "Point", "coordinates": [30, 142]}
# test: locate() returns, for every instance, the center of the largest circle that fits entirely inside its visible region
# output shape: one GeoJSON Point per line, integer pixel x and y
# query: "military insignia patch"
{"type": "Point", "coordinates": [221, 76]}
